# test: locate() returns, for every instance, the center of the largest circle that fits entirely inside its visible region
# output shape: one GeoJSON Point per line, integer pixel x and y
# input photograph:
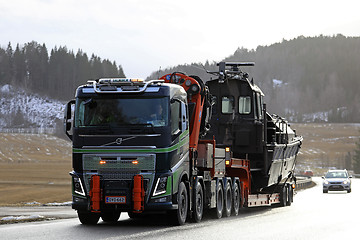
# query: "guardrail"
{"type": "Point", "coordinates": [304, 182]}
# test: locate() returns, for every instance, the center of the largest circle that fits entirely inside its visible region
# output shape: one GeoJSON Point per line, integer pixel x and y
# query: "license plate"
{"type": "Point", "coordinates": [115, 199]}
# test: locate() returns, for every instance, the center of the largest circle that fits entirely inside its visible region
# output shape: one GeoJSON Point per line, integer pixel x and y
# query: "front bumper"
{"type": "Point", "coordinates": [336, 187]}
{"type": "Point", "coordinates": [83, 204]}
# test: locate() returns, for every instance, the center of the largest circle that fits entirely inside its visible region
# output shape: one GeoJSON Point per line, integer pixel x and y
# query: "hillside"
{"type": "Point", "coordinates": [29, 112]}
{"type": "Point", "coordinates": [304, 79]}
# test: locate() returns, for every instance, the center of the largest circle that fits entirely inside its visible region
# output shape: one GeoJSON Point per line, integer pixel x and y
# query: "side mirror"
{"type": "Point", "coordinates": [350, 177]}
{"type": "Point", "coordinates": [323, 177]}
{"type": "Point", "coordinates": [68, 118]}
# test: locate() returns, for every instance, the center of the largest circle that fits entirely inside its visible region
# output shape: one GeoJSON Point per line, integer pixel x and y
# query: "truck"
{"type": "Point", "coordinates": [178, 146]}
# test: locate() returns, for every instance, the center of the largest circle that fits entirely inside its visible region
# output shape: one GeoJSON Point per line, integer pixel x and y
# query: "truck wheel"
{"type": "Point", "coordinates": [219, 200]}
{"type": "Point", "coordinates": [88, 218]}
{"type": "Point", "coordinates": [236, 199]}
{"type": "Point", "coordinates": [179, 215]}
{"type": "Point", "coordinates": [228, 199]}
{"type": "Point", "coordinates": [110, 216]}
{"type": "Point", "coordinates": [198, 203]}
{"type": "Point", "coordinates": [283, 196]}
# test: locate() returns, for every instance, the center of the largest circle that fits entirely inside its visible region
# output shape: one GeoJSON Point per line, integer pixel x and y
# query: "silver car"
{"type": "Point", "coordinates": [337, 180]}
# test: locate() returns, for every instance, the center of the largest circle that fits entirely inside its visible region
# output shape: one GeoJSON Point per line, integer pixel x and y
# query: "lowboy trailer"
{"type": "Point", "coordinates": [147, 146]}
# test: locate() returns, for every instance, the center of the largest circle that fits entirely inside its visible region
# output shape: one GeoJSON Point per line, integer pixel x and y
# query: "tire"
{"type": "Point", "coordinates": [292, 190]}
{"type": "Point", "coordinates": [228, 199]}
{"type": "Point", "coordinates": [110, 216]}
{"type": "Point", "coordinates": [349, 191]}
{"type": "Point", "coordinates": [289, 195]}
{"type": "Point", "coordinates": [179, 215]}
{"type": "Point", "coordinates": [198, 203]}
{"type": "Point", "coordinates": [88, 218]}
{"type": "Point", "coordinates": [236, 198]}
{"type": "Point", "coordinates": [219, 200]}
{"type": "Point", "coordinates": [325, 191]}
{"type": "Point", "coordinates": [283, 196]}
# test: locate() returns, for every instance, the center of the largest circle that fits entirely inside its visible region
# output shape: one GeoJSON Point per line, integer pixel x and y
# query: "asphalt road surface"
{"type": "Point", "coordinates": [313, 215]}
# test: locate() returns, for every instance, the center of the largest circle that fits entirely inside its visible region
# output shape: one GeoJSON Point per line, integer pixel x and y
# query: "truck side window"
{"type": "Point", "coordinates": [244, 105]}
{"type": "Point", "coordinates": [175, 116]}
{"type": "Point", "coordinates": [227, 104]}
{"type": "Point", "coordinates": [184, 117]}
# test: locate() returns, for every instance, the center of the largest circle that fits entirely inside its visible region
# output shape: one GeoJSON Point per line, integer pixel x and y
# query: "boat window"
{"type": "Point", "coordinates": [244, 105]}
{"type": "Point", "coordinates": [227, 104]}
{"type": "Point", "coordinates": [259, 104]}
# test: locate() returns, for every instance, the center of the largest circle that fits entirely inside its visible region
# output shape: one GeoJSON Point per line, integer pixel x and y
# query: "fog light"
{"type": "Point", "coordinates": [160, 200]}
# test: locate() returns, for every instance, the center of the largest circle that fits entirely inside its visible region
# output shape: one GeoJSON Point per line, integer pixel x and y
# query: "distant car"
{"type": "Point", "coordinates": [337, 180]}
{"type": "Point", "coordinates": [308, 173]}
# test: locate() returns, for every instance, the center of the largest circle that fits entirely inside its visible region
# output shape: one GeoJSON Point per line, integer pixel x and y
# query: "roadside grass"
{"type": "Point", "coordinates": [325, 145]}
{"type": "Point", "coordinates": [35, 167]}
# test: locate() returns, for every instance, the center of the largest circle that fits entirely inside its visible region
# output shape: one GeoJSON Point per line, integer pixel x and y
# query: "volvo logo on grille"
{"type": "Point", "coordinates": [119, 141]}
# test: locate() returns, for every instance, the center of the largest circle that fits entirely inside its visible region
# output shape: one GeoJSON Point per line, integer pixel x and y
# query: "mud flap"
{"type": "Point", "coordinates": [138, 194]}
{"type": "Point", "coordinates": [95, 194]}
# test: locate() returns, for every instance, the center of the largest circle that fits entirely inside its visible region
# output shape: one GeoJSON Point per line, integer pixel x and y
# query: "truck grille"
{"type": "Point", "coordinates": [114, 175]}
{"type": "Point", "coordinates": [112, 167]}
{"type": "Point", "coordinates": [119, 162]}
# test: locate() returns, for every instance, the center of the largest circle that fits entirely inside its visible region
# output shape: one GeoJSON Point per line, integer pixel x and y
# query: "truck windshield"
{"type": "Point", "coordinates": [122, 112]}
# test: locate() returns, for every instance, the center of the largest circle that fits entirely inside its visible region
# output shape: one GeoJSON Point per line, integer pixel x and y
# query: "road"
{"type": "Point", "coordinates": [313, 215]}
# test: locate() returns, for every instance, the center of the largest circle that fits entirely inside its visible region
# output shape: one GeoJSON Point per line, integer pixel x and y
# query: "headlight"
{"type": "Point", "coordinates": [346, 182]}
{"type": "Point", "coordinates": [326, 182]}
{"type": "Point", "coordinates": [78, 187]}
{"type": "Point", "coordinates": [160, 187]}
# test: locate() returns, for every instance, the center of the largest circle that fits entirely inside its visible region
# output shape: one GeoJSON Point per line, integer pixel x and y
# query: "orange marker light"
{"type": "Point", "coordinates": [102, 162]}
{"type": "Point", "coordinates": [135, 162]}
{"type": "Point", "coordinates": [227, 149]}
{"type": "Point", "coordinates": [227, 162]}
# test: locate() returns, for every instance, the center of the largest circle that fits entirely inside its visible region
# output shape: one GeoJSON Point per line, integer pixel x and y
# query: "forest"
{"type": "Point", "coordinates": [303, 79]}
{"type": "Point", "coordinates": [30, 67]}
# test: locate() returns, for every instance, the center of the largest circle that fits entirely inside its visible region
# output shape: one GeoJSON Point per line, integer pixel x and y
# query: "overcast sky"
{"type": "Point", "coordinates": [143, 35]}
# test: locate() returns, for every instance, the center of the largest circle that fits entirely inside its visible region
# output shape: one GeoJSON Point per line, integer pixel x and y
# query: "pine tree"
{"type": "Point", "coordinates": [356, 158]}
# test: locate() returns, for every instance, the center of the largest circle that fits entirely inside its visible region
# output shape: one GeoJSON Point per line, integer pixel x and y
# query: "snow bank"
{"type": "Point", "coordinates": [21, 218]}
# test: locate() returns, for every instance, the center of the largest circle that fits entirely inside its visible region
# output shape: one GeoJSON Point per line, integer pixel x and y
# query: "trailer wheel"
{"type": "Point", "coordinates": [283, 196]}
{"type": "Point", "coordinates": [198, 203]}
{"type": "Point", "coordinates": [219, 200]}
{"type": "Point", "coordinates": [236, 199]}
{"type": "Point", "coordinates": [110, 216]}
{"type": "Point", "coordinates": [88, 218]}
{"type": "Point", "coordinates": [228, 199]}
{"type": "Point", "coordinates": [290, 195]}
{"type": "Point", "coordinates": [179, 215]}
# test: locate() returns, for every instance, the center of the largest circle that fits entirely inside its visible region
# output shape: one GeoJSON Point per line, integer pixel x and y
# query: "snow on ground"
{"type": "Point", "coordinates": [19, 109]}
{"type": "Point", "coordinates": [21, 218]}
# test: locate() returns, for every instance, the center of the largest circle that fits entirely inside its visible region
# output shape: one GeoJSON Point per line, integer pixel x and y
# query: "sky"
{"type": "Point", "coordinates": [145, 35]}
